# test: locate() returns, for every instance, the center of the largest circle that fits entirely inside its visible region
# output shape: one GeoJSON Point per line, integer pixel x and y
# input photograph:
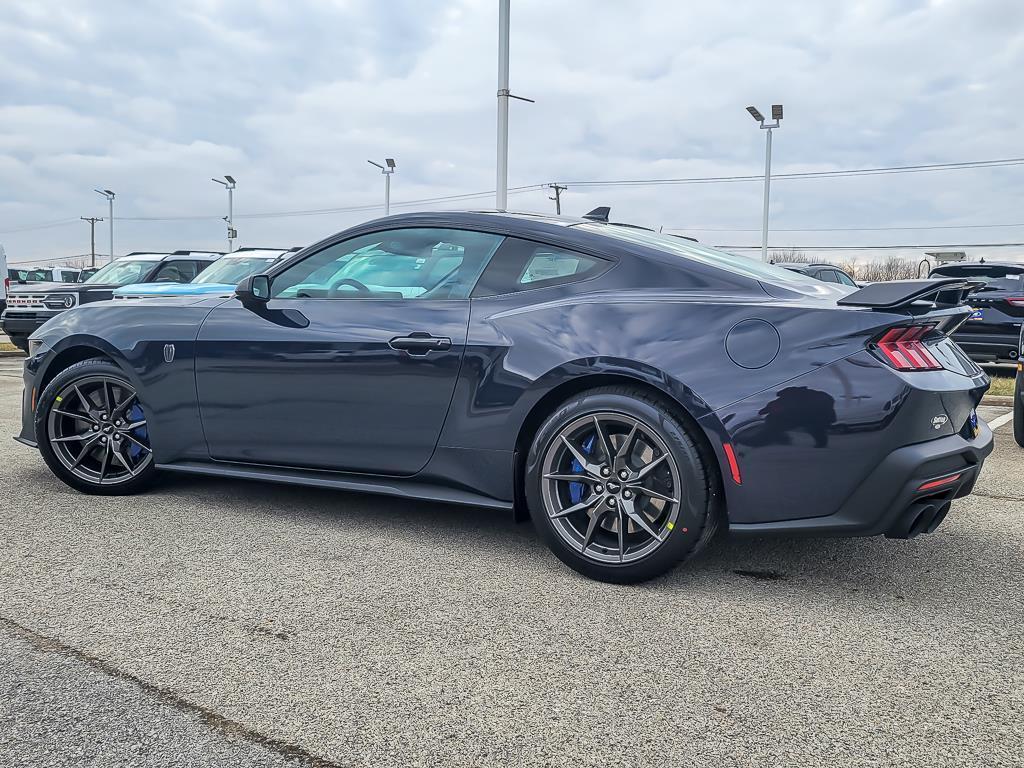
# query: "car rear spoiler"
{"type": "Point", "coordinates": [901, 294]}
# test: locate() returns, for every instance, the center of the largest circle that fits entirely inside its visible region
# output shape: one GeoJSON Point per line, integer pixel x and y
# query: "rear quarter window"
{"type": "Point", "coordinates": [522, 265]}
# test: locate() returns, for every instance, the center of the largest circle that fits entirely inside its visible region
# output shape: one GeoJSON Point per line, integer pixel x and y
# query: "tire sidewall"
{"type": "Point", "coordinates": [44, 405]}
{"type": "Point", "coordinates": [1018, 409]}
{"type": "Point", "coordinates": [694, 506]}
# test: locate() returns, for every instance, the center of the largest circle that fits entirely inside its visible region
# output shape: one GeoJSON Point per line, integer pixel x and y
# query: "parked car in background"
{"type": "Point", "coordinates": [219, 280]}
{"type": "Point", "coordinates": [6, 279]}
{"type": "Point", "coordinates": [46, 275]}
{"type": "Point", "coordinates": [86, 273]}
{"type": "Point", "coordinates": [29, 306]}
{"type": "Point", "coordinates": [827, 273]}
{"type": "Point", "coordinates": [991, 334]}
{"type": "Point", "coordinates": [631, 392]}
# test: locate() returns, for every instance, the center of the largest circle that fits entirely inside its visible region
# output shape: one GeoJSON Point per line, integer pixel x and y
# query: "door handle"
{"type": "Point", "coordinates": [420, 343]}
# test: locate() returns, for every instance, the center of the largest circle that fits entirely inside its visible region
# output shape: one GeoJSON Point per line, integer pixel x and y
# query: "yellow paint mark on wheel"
{"type": "Point", "coordinates": [670, 525]}
{"type": "Point", "coordinates": [59, 398]}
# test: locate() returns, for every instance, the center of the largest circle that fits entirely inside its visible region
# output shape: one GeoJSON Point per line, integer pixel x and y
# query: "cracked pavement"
{"type": "Point", "coordinates": [225, 623]}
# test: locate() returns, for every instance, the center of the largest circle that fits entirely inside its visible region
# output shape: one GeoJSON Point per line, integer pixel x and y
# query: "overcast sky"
{"type": "Point", "coordinates": [151, 99]}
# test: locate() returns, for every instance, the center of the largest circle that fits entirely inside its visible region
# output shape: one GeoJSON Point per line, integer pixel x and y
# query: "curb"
{"type": "Point", "coordinates": [12, 353]}
{"type": "Point", "coordinates": [1002, 400]}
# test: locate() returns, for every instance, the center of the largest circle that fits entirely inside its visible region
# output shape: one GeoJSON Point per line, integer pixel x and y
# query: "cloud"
{"type": "Point", "coordinates": [151, 99]}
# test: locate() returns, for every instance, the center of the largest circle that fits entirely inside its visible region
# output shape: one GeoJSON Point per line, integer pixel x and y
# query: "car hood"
{"type": "Point", "coordinates": [176, 289]}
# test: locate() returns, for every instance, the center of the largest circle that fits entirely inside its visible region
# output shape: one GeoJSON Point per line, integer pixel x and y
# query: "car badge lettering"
{"type": "Point", "coordinates": [168, 353]}
{"type": "Point", "coordinates": [938, 422]}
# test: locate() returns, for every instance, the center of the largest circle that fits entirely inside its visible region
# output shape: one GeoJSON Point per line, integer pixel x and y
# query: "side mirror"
{"type": "Point", "coordinates": [254, 290]}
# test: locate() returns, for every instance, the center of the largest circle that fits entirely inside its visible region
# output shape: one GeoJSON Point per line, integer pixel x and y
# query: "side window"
{"type": "Point", "coordinates": [828, 276]}
{"type": "Point", "coordinates": [423, 263]}
{"type": "Point", "coordinates": [68, 276]}
{"type": "Point", "coordinates": [521, 265]}
{"type": "Point", "coordinates": [175, 272]}
{"type": "Point", "coordinates": [845, 279]}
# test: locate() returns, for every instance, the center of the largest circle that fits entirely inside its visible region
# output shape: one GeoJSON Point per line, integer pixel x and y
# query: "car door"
{"type": "Point", "coordinates": [352, 363]}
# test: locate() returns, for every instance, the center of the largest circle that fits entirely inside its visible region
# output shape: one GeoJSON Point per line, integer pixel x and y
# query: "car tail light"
{"type": "Point", "coordinates": [1016, 301]}
{"type": "Point", "coordinates": [904, 349]}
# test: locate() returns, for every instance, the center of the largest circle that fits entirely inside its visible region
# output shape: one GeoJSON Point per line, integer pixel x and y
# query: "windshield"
{"type": "Point", "coordinates": [232, 270]}
{"type": "Point", "coordinates": [688, 249]}
{"type": "Point", "coordinates": [18, 275]}
{"type": "Point", "coordinates": [122, 272]}
{"type": "Point", "coordinates": [39, 275]}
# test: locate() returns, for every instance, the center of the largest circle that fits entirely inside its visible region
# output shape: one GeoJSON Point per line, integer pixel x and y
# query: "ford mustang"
{"type": "Point", "coordinates": [630, 392]}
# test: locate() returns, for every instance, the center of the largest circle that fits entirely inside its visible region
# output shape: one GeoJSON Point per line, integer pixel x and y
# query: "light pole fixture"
{"type": "Point", "coordinates": [768, 126]}
{"type": "Point", "coordinates": [110, 201]}
{"type": "Point", "coordinates": [390, 162]}
{"type": "Point", "coordinates": [229, 184]}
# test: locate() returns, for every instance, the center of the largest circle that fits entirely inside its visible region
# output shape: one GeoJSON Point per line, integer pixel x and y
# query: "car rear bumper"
{"type": "Point", "coordinates": [907, 494]}
{"type": "Point", "coordinates": [989, 348]}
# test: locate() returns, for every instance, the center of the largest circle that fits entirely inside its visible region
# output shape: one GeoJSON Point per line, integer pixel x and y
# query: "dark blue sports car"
{"type": "Point", "coordinates": [630, 392]}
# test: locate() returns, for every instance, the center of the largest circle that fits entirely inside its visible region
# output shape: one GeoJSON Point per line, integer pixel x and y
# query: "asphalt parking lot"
{"type": "Point", "coordinates": [227, 623]}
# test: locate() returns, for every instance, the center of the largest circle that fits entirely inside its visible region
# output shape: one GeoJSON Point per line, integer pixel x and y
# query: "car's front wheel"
{"type": "Point", "coordinates": [92, 430]}
{"type": "Point", "coordinates": [617, 486]}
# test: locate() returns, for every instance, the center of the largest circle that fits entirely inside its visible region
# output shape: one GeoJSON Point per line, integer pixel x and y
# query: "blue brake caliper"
{"type": "Point", "coordinates": [141, 434]}
{"type": "Point", "coordinates": [576, 489]}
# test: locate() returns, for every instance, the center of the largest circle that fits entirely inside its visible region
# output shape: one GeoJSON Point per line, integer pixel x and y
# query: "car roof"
{"type": "Point", "coordinates": [806, 265]}
{"type": "Point", "coordinates": [979, 265]}
{"type": "Point", "coordinates": [267, 253]}
{"type": "Point", "coordinates": [155, 256]}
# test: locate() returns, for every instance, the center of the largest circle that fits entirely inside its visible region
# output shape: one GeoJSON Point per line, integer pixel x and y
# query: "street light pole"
{"type": "Point", "coordinates": [387, 171]}
{"type": "Point", "coordinates": [501, 194]}
{"type": "Point", "coordinates": [229, 185]}
{"type": "Point", "coordinates": [765, 125]}
{"type": "Point", "coordinates": [92, 237]}
{"type": "Point", "coordinates": [110, 201]}
{"type": "Point", "coordinates": [501, 187]}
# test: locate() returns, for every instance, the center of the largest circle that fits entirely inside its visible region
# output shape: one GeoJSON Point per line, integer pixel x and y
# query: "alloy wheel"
{"type": "Point", "coordinates": [610, 487]}
{"type": "Point", "coordinates": [98, 431]}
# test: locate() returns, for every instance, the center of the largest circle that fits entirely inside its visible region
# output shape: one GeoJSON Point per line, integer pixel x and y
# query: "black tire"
{"type": "Point", "coordinates": [1018, 409]}
{"type": "Point", "coordinates": [21, 342]}
{"type": "Point", "coordinates": [698, 504]}
{"type": "Point", "coordinates": [47, 400]}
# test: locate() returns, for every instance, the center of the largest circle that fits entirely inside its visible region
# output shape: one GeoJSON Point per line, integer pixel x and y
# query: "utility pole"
{"type": "Point", "coordinates": [92, 237]}
{"type": "Point", "coordinates": [110, 219]}
{"type": "Point", "coordinates": [559, 189]}
{"type": "Point", "coordinates": [765, 125]}
{"type": "Point", "coordinates": [501, 188]}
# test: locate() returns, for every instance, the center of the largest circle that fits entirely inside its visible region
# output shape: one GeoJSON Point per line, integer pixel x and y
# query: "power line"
{"type": "Point", "coordinates": [915, 247]}
{"type": "Point", "coordinates": [888, 170]}
{"type": "Point", "coordinates": [847, 229]}
{"type": "Point", "coordinates": [45, 225]}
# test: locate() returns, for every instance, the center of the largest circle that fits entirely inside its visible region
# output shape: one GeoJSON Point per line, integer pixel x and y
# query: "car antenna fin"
{"type": "Point", "coordinates": [599, 214]}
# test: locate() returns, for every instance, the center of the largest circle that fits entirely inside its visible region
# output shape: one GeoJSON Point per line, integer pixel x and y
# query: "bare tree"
{"type": "Point", "coordinates": [889, 268]}
{"type": "Point", "coordinates": [790, 256]}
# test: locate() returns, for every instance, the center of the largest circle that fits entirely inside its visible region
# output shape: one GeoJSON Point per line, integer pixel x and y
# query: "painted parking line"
{"type": "Point", "coordinates": [998, 422]}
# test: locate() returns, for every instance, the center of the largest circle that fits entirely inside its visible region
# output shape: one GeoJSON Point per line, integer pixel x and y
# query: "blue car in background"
{"type": "Point", "coordinates": [219, 279]}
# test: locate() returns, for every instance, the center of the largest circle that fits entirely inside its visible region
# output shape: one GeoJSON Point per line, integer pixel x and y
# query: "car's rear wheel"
{"type": "Point", "coordinates": [92, 430]}
{"type": "Point", "coordinates": [617, 487]}
{"type": "Point", "coordinates": [1018, 409]}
